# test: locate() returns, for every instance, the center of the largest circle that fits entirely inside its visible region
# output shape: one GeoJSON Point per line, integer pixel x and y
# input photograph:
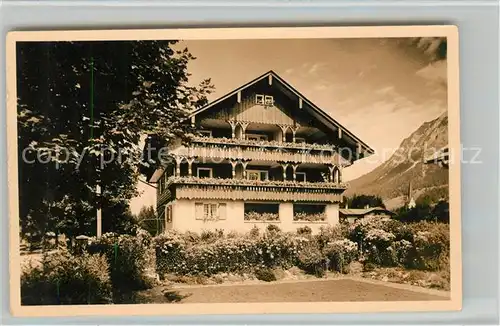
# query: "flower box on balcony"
{"type": "Point", "coordinates": [263, 143]}
{"type": "Point", "coordinates": [309, 218]}
{"type": "Point", "coordinates": [261, 217]}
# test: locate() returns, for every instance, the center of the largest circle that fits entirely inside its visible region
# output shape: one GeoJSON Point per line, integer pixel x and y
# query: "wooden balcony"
{"type": "Point", "coordinates": [271, 151]}
{"type": "Point", "coordinates": [249, 190]}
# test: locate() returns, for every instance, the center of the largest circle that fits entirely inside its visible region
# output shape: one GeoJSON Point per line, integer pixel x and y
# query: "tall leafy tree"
{"type": "Point", "coordinates": [82, 107]}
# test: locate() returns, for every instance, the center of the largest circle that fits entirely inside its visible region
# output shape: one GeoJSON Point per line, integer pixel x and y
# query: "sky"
{"type": "Point", "coordinates": [379, 89]}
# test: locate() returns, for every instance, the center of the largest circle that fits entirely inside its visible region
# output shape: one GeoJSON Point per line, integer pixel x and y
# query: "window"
{"type": "Point", "coordinates": [261, 175]}
{"type": "Point", "coordinates": [204, 172]}
{"type": "Point", "coordinates": [256, 137]}
{"type": "Point", "coordinates": [300, 176]}
{"type": "Point", "coordinates": [210, 211]}
{"type": "Point", "coordinates": [259, 99]}
{"type": "Point", "coordinates": [206, 133]}
{"type": "Point", "coordinates": [268, 100]}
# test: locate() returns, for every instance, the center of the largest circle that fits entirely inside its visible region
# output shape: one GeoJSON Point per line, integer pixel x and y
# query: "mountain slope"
{"type": "Point", "coordinates": [391, 179]}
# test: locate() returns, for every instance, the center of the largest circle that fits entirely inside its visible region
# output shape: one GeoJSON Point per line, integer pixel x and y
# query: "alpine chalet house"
{"type": "Point", "coordinates": [265, 155]}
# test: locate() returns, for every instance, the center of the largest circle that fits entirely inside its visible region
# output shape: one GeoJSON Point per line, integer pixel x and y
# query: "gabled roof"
{"type": "Point", "coordinates": [314, 107]}
{"type": "Point", "coordinates": [363, 211]}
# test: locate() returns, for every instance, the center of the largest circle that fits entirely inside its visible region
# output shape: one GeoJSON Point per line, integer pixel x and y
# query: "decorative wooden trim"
{"type": "Point", "coordinates": [272, 75]}
{"type": "Point", "coordinates": [270, 79]}
{"type": "Point", "coordinates": [254, 193]}
{"type": "Point", "coordinates": [190, 161]}
{"type": "Point", "coordinates": [233, 125]}
{"type": "Point", "coordinates": [238, 97]}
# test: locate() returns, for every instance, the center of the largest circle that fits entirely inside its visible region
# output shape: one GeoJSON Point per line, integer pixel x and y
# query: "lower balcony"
{"type": "Point", "coordinates": [255, 190]}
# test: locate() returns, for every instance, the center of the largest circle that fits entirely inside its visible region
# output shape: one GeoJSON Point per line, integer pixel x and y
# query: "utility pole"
{"type": "Point", "coordinates": [99, 216]}
{"type": "Point", "coordinates": [98, 185]}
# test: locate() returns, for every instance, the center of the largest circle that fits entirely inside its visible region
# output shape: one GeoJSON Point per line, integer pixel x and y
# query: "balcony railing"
{"type": "Point", "coordinates": [272, 151]}
{"type": "Point", "coordinates": [263, 143]}
{"type": "Point", "coordinates": [242, 189]}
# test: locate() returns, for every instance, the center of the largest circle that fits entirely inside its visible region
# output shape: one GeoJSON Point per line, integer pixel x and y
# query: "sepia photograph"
{"type": "Point", "coordinates": [186, 171]}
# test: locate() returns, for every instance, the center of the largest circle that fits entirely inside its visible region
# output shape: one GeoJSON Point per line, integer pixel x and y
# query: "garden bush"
{"type": "Point", "coordinates": [340, 254]}
{"type": "Point", "coordinates": [128, 257]}
{"type": "Point", "coordinates": [384, 242]}
{"type": "Point", "coordinates": [227, 254]}
{"type": "Point", "coordinates": [305, 230]}
{"type": "Point", "coordinates": [273, 228]}
{"type": "Point", "coordinates": [265, 274]}
{"type": "Point", "coordinates": [311, 260]}
{"type": "Point", "coordinates": [63, 278]}
{"type": "Point", "coordinates": [431, 244]}
{"type": "Point", "coordinates": [331, 233]}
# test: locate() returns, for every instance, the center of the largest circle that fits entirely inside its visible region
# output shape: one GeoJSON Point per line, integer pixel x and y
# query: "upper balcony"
{"type": "Point", "coordinates": [243, 189]}
{"type": "Point", "coordinates": [261, 150]}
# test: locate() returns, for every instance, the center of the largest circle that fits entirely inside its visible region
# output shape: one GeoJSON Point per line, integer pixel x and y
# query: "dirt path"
{"type": "Point", "coordinates": [310, 291]}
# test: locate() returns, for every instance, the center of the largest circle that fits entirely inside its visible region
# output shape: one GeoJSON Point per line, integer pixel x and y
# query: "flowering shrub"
{"type": "Point", "coordinates": [341, 253]}
{"type": "Point", "coordinates": [403, 252]}
{"type": "Point", "coordinates": [305, 230]}
{"type": "Point", "coordinates": [384, 244]}
{"type": "Point", "coordinates": [227, 254]}
{"type": "Point", "coordinates": [273, 228]}
{"type": "Point", "coordinates": [64, 278]}
{"type": "Point", "coordinates": [263, 143]}
{"type": "Point", "coordinates": [312, 260]}
{"type": "Point", "coordinates": [127, 257]}
{"type": "Point", "coordinates": [431, 246]}
{"type": "Point", "coordinates": [318, 217]}
{"type": "Point", "coordinates": [255, 216]}
{"type": "Point", "coordinates": [246, 182]}
{"type": "Point", "coordinates": [387, 242]}
{"type": "Point", "coordinates": [331, 233]}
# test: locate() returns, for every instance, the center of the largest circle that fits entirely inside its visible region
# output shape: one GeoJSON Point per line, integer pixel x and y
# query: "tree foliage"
{"type": "Point", "coordinates": [82, 108]}
{"type": "Point", "coordinates": [424, 211]}
{"type": "Point", "coordinates": [361, 201]}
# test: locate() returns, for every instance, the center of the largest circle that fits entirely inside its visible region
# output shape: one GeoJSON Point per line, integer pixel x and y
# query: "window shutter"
{"type": "Point", "coordinates": [198, 211]}
{"type": "Point", "coordinates": [222, 211]}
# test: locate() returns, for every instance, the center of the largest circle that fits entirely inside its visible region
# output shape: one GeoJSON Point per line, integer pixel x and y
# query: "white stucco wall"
{"type": "Point", "coordinates": [184, 218]}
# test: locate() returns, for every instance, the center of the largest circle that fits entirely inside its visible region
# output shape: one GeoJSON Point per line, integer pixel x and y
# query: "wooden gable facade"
{"type": "Point", "coordinates": [269, 100]}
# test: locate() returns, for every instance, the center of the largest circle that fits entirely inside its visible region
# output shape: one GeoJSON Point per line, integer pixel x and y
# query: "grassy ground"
{"type": "Point", "coordinates": [298, 291]}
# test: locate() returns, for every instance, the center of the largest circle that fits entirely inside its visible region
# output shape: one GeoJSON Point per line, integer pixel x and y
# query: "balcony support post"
{"type": "Point", "coordinates": [284, 129]}
{"type": "Point", "coordinates": [332, 173]}
{"type": "Point", "coordinates": [190, 161]}
{"type": "Point", "coordinates": [244, 165]}
{"type": "Point", "coordinates": [178, 161]}
{"type": "Point", "coordinates": [243, 126]}
{"type": "Point", "coordinates": [233, 125]}
{"type": "Point", "coordinates": [294, 131]}
{"type": "Point", "coordinates": [233, 165]}
{"type": "Point", "coordinates": [284, 166]}
{"type": "Point", "coordinates": [339, 174]}
{"type": "Point", "coordinates": [294, 167]}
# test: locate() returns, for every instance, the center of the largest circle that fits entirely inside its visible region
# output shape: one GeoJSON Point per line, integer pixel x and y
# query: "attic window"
{"type": "Point", "coordinates": [268, 100]}
{"type": "Point", "coordinates": [259, 99]}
